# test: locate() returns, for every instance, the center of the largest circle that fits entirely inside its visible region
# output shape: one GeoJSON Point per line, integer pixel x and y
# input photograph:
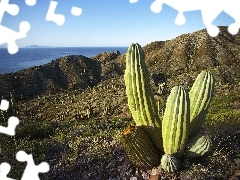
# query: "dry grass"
{"type": "Point", "coordinates": [78, 131]}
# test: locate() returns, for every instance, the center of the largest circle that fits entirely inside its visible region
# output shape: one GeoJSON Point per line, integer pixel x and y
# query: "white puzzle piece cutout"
{"type": "Point", "coordinates": [4, 170]}
{"type": "Point", "coordinates": [10, 129]}
{"type": "Point", "coordinates": [59, 19]}
{"type": "Point", "coordinates": [12, 121]}
{"type": "Point", "coordinates": [210, 9]}
{"type": "Point", "coordinates": [31, 171]}
{"type": "Point", "coordinates": [133, 1]}
{"type": "Point", "coordinates": [12, 9]}
{"type": "Point", "coordinates": [76, 11]}
{"type": "Point", "coordinates": [4, 105]}
{"type": "Point", "coordinates": [8, 35]}
{"type": "Point", "coordinates": [30, 2]}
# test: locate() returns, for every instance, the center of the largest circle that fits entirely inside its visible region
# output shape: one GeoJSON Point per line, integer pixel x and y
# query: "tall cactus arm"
{"type": "Point", "coordinates": [140, 98]}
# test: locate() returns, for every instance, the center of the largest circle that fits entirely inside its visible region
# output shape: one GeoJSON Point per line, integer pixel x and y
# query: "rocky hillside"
{"type": "Point", "coordinates": [178, 61]}
{"type": "Point", "coordinates": [65, 73]}
{"type": "Point", "coordinates": [193, 52]}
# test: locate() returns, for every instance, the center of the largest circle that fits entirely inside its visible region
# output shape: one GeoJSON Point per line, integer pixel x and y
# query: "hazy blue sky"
{"type": "Point", "coordinates": [103, 23]}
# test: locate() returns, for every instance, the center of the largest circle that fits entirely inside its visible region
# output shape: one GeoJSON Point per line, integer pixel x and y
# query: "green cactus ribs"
{"type": "Point", "coordinates": [140, 97]}
{"type": "Point", "coordinates": [169, 163]}
{"type": "Point", "coordinates": [178, 131]}
{"type": "Point", "coordinates": [200, 95]}
{"type": "Point", "coordinates": [198, 146]}
{"type": "Point", "coordinates": [175, 124]}
{"type": "Point", "coordinates": [139, 149]}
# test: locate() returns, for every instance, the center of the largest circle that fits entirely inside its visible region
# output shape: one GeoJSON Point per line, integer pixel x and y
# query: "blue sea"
{"type": "Point", "coordinates": [29, 57]}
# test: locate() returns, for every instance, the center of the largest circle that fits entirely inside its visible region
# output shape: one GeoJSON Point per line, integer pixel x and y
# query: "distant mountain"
{"type": "Point", "coordinates": [36, 46]}
{"type": "Point", "coordinates": [179, 60]}
{"type": "Point", "coordinates": [69, 72]}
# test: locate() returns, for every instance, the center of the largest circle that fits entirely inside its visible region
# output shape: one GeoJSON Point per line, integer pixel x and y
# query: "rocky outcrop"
{"type": "Point", "coordinates": [69, 72]}
{"type": "Point", "coordinates": [107, 56]}
{"type": "Point", "coordinates": [110, 67]}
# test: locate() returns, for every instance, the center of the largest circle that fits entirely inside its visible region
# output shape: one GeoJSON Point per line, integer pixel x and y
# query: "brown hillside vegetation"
{"type": "Point", "coordinates": [183, 57]}
{"type": "Point", "coordinates": [193, 52]}
{"type": "Point", "coordinates": [73, 110]}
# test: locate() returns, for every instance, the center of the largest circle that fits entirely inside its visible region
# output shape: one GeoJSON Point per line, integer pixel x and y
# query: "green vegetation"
{"type": "Point", "coordinates": [78, 133]}
{"type": "Point", "coordinates": [68, 141]}
{"type": "Point", "coordinates": [182, 120]}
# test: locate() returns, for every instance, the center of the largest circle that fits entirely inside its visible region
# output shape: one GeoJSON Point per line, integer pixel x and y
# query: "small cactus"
{"type": "Point", "coordinates": [198, 146]}
{"type": "Point", "coordinates": [169, 163]}
{"type": "Point", "coordinates": [139, 148]}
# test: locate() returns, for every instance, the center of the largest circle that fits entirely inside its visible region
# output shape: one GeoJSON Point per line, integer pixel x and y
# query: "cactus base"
{"type": "Point", "coordinates": [139, 148]}
{"type": "Point", "coordinates": [170, 163]}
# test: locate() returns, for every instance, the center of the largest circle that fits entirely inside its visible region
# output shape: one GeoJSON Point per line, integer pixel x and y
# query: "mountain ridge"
{"type": "Point", "coordinates": [180, 58]}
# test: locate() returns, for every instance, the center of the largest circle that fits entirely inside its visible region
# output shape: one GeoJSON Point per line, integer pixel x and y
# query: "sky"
{"type": "Point", "coordinates": [103, 23]}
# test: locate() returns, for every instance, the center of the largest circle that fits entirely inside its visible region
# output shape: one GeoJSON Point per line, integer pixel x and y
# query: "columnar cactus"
{"type": "Point", "coordinates": [139, 148]}
{"type": "Point", "coordinates": [140, 98]}
{"type": "Point", "coordinates": [175, 123]}
{"type": "Point", "coordinates": [200, 95]}
{"type": "Point", "coordinates": [182, 120]}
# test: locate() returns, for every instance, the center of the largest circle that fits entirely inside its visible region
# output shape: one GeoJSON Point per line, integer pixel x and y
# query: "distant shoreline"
{"type": "Point", "coordinates": [53, 47]}
{"type": "Point", "coordinates": [34, 56]}
{"type": "Point", "coordinates": [35, 47]}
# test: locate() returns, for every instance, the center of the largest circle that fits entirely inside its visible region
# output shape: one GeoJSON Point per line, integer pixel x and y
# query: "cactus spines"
{"type": "Point", "coordinates": [140, 98]}
{"type": "Point", "coordinates": [139, 148]}
{"type": "Point", "coordinates": [169, 163]}
{"type": "Point", "coordinates": [200, 95]}
{"type": "Point", "coordinates": [175, 123]}
{"type": "Point", "coordinates": [198, 146]}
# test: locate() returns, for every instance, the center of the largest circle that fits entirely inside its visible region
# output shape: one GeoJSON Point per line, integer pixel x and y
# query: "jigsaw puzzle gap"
{"type": "Point", "coordinates": [76, 11]}
{"type": "Point", "coordinates": [209, 10]}
{"type": "Point", "coordinates": [133, 1]}
{"type": "Point", "coordinates": [8, 35]}
{"type": "Point", "coordinates": [31, 171]}
{"type": "Point", "coordinates": [4, 105]}
{"type": "Point", "coordinates": [10, 129]}
{"type": "Point", "coordinates": [51, 16]}
{"type": "Point", "coordinates": [180, 19]}
{"type": "Point", "coordinates": [24, 27]}
{"type": "Point", "coordinates": [156, 6]}
{"type": "Point", "coordinates": [4, 170]}
{"type": "Point", "coordinates": [30, 2]}
{"type": "Point", "coordinates": [12, 9]}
